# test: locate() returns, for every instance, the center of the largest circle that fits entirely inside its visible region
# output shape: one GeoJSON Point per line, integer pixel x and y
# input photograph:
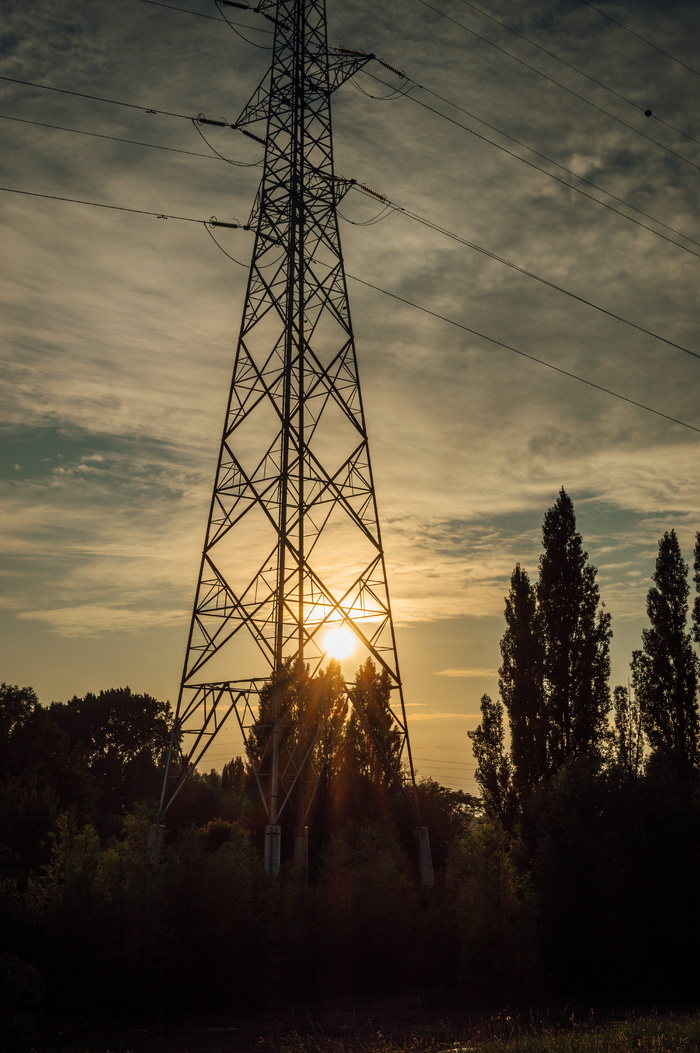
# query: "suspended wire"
{"type": "Point", "coordinates": [97, 98]}
{"type": "Point", "coordinates": [376, 288]}
{"type": "Point", "coordinates": [443, 116]}
{"type": "Point", "coordinates": [557, 164]}
{"type": "Point", "coordinates": [531, 274]}
{"type": "Point", "coordinates": [412, 98]}
{"type": "Point", "coordinates": [213, 222]}
{"type": "Point", "coordinates": [228, 160]}
{"type": "Point", "coordinates": [381, 215]}
{"type": "Point", "coordinates": [212, 18]}
{"type": "Point", "coordinates": [569, 65]}
{"type": "Point", "coordinates": [640, 37]}
{"type": "Point", "coordinates": [551, 175]}
{"type": "Point", "coordinates": [114, 208]}
{"type": "Point", "coordinates": [234, 25]}
{"type": "Point", "coordinates": [563, 87]}
{"type": "Point", "coordinates": [396, 94]}
{"type": "Point", "coordinates": [524, 354]}
{"type": "Point", "coordinates": [207, 227]}
{"type": "Point", "coordinates": [112, 138]}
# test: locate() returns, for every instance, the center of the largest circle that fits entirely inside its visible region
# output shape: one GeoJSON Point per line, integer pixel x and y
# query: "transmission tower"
{"type": "Point", "coordinates": [293, 547]}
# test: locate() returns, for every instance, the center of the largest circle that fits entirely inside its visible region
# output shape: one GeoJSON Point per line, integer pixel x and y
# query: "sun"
{"type": "Point", "coordinates": [339, 643]}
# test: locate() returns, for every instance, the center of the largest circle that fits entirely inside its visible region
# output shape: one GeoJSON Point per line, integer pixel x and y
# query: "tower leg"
{"type": "Point", "coordinates": [273, 836]}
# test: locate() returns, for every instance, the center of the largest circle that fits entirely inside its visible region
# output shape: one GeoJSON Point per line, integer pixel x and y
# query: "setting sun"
{"type": "Point", "coordinates": [339, 643]}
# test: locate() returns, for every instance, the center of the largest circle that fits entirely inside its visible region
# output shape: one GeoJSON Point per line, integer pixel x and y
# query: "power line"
{"type": "Point", "coordinates": [96, 98]}
{"type": "Point", "coordinates": [112, 138]}
{"type": "Point", "coordinates": [529, 274]}
{"type": "Point", "coordinates": [430, 109]}
{"type": "Point", "coordinates": [640, 37]}
{"type": "Point", "coordinates": [524, 354]}
{"type": "Point", "coordinates": [543, 171]}
{"type": "Point", "coordinates": [121, 208]}
{"type": "Point", "coordinates": [569, 65]}
{"type": "Point", "coordinates": [563, 87]}
{"type": "Point", "coordinates": [212, 18]}
{"type": "Point", "coordinates": [551, 161]}
{"type": "Point", "coordinates": [376, 288]}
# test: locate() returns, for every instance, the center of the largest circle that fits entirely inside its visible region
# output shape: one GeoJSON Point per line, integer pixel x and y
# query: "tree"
{"type": "Point", "coordinates": [493, 768]}
{"type": "Point", "coordinates": [521, 685]}
{"type": "Point", "coordinates": [374, 741]}
{"type": "Point", "coordinates": [627, 735]}
{"type": "Point", "coordinates": [665, 670]}
{"type": "Point", "coordinates": [121, 737]}
{"type": "Point", "coordinates": [576, 638]}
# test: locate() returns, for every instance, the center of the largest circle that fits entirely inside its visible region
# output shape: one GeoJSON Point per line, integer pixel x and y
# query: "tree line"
{"type": "Point", "coordinates": [573, 876]}
{"type": "Point", "coordinates": [597, 792]}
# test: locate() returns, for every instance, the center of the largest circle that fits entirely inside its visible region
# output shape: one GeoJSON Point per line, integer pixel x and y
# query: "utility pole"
{"type": "Point", "coordinates": [293, 547]}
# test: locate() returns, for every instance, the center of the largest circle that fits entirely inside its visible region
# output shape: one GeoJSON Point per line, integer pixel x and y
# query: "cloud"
{"type": "Point", "coordinates": [120, 329]}
{"type": "Point", "coordinates": [468, 674]}
{"type": "Point", "coordinates": [426, 717]}
{"type": "Point", "coordinates": [95, 621]}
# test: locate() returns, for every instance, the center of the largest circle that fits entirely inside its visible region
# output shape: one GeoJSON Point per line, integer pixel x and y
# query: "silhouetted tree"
{"type": "Point", "coordinates": [627, 735]}
{"type": "Point", "coordinates": [696, 579]}
{"type": "Point", "coordinates": [665, 670]}
{"type": "Point", "coordinates": [374, 741]}
{"type": "Point", "coordinates": [493, 768]}
{"type": "Point", "coordinates": [576, 637]}
{"type": "Point", "coordinates": [120, 737]}
{"type": "Point", "coordinates": [521, 685]}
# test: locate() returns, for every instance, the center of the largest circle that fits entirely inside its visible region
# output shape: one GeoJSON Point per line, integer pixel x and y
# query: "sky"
{"type": "Point", "coordinates": [119, 328]}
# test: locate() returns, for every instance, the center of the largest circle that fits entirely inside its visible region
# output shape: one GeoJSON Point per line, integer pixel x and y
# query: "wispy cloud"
{"type": "Point", "coordinates": [467, 674]}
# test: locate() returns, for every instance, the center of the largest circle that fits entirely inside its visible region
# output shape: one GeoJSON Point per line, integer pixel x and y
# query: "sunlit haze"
{"type": "Point", "coordinates": [485, 390]}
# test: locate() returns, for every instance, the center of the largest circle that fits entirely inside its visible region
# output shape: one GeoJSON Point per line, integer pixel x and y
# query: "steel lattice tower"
{"type": "Point", "coordinates": [293, 544]}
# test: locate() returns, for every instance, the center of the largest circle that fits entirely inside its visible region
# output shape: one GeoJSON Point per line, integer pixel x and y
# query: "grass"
{"type": "Point", "coordinates": [500, 1034]}
{"type": "Point", "coordinates": [504, 1035]}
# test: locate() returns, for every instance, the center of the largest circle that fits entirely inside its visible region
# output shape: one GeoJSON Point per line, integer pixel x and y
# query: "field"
{"type": "Point", "coordinates": [360, 1031]}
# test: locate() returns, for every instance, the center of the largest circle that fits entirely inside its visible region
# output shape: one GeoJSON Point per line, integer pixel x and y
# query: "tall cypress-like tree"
{"type": "Point", "coordinates": [576, 638]}
{"type": "Point", "coordinates": [665, 670]}
{"type": "Point", "coordinates": [696, 579]}
{"type": "Point", "coordinates": [493, 773]}
{"type": "Point", "coordinates": [627, 734]}
{"type": "Point", "coordinates": [521, 685]}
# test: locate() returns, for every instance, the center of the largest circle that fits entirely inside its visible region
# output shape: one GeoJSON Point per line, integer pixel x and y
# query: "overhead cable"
{"type": "Point", "coordinates": [563, 87]}
{"type": "Point", "coordinates": [117, 139]}
{"type": "Point", "coordinates": [550, 175]}
{"type": "Point", "coordinates": [569, 65]}
{"type": "Point", "coordinates": [394, 296]}
{"type": "Point", "coordinates": [529, 274]}
{"type": "Point", "coordinates": [96, 98]}
{"type": "Point", "coordinates": [640, 37]}
{"type": "Point", "coordinates": [524, 354]}
{"type": "Point", "coordinates": [122, 208]}
{"type": "Point", "coordinates": [212, 18]}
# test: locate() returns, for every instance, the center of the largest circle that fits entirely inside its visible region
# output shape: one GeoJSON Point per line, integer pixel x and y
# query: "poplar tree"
{"type": "Point", "coordinates": [665, 670]}
{"type": "Point", "coordinates": [493, 773]}
{"type": "Point", "coordinates": [576, 636]}
{"type": "Point", "coordinates": [627, 735]}
{"type": "Point", "coordinates": [521, 685]}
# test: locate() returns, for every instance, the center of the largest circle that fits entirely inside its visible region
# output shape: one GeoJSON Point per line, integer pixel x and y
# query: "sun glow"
{"type": "Point", "coordinates": [339, 643]}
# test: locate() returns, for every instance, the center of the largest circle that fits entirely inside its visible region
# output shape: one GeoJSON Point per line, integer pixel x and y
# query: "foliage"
{"type": "Point", "coordinates": [665, 671]}
{"type": "Point", "coordinates": [576, 638]}
{"type": "Point", "coordinates": [21, 992]}
{"type": "Point", "coordinates": [521, 684]}
{"type": "Point", "coordinates": [493, 915]}
{"type": "Point", "coordinates": [627, 738]}
{"type": "Point", "coordinates": [120, 737]}
{"type": "Point", "coordinates": [493, 766]}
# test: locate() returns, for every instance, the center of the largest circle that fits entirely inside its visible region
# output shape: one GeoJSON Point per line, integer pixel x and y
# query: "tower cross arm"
{"type": "Point", "coordinates": [333, 70]}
